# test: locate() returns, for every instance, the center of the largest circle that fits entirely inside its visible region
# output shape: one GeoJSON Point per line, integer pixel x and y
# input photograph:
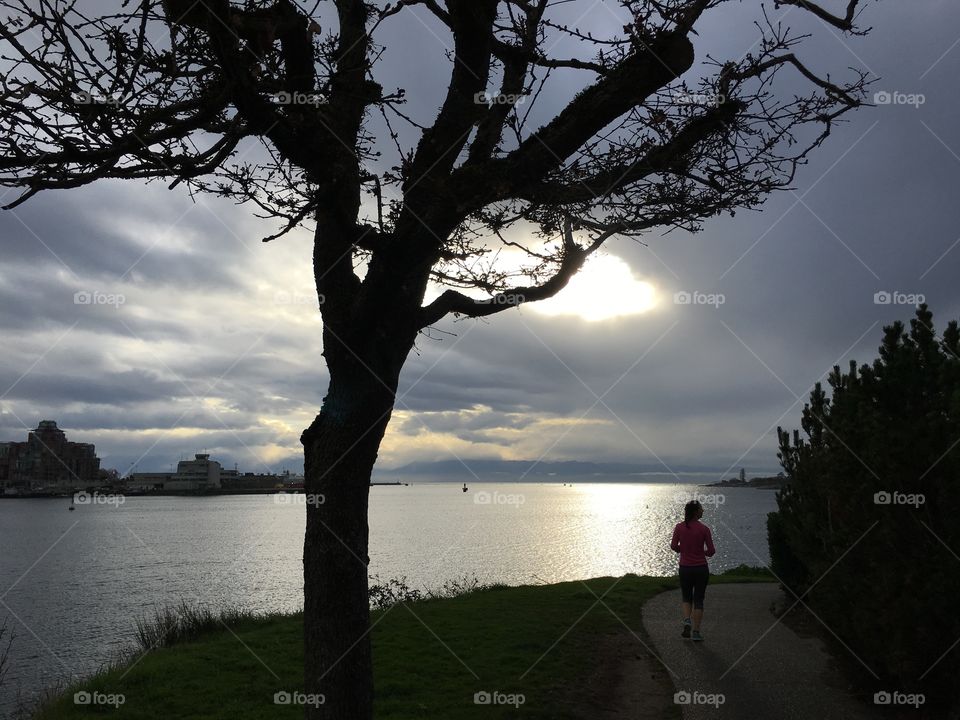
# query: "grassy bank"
{"type": "Point", "coordinates": [431, 657]}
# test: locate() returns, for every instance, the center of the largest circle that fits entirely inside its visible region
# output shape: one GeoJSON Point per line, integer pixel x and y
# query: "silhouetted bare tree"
{"type": "Point", "coordinates": [173, 89]}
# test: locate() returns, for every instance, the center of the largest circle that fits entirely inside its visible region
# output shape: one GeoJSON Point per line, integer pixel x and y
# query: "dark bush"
{"type": "Point", "coordinates": [865, 531]}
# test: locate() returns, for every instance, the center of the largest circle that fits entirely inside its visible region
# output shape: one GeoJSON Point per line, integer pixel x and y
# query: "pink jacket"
{"type": "Point", "coordinates": [691, 541]}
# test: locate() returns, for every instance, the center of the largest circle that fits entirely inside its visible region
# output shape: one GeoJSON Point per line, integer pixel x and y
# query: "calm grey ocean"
{"type": "Point", "coordinates": [72, 583]}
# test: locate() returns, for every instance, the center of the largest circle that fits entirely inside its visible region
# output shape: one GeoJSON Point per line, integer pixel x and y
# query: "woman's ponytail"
{"type": "Point", "coordinates": [690, 512]}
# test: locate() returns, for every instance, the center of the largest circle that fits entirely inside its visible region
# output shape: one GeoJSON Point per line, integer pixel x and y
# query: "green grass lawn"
{"type": "Point", "coordinates": [430, 657]}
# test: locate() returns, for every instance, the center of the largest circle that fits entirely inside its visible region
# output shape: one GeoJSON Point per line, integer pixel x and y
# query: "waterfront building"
{"type": "Point", "coordinates": [201, 473]}
{"type": "Point", "coordinates": [145, 481]}
{"type": "Point", "coordinates": [197, 475]}
{"type": "Point", "coordinates": [48, 462]}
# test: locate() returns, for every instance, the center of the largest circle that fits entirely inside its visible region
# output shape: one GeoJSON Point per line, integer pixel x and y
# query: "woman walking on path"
{"type": "Point", "coordinates": [692, 539]}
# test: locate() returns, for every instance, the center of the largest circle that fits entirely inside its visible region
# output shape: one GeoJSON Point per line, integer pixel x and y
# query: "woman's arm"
{"type": "Point", "coordinates": [708, 541]}
{"type": "Point", "coordinates": [675, 540]}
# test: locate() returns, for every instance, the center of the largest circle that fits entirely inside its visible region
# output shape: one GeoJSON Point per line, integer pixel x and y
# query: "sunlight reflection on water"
{"type": "Point", "coordinates": [112, 564]}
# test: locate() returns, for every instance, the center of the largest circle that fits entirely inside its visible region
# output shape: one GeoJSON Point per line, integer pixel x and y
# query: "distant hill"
{"type": "Point", "coordinates": [531, 470]}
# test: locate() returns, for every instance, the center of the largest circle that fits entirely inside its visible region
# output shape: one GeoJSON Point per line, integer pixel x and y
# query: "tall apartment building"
{"type": "Point", "coordinates": [47, 461]}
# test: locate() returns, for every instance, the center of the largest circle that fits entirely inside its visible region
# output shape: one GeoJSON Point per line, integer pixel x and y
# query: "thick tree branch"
{"type": "Point", "coordinates": [571, 260]}
{"type": "Point", "coordinates": [671, 156]}
{"type": "Point", "coordinates": [471, 22]}
{"type": "Point", "coordinates": [631, 82]}
{"type": "Point", "coordinates": [515, 65]}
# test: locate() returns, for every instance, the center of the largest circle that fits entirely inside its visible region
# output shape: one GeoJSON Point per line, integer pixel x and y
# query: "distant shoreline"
{"type": "Point", "coordinates": [762, 483]}
{"type": "Point", "coordinates": [774, 482]}
{"type": "Point", "coordinates": [172, 493]}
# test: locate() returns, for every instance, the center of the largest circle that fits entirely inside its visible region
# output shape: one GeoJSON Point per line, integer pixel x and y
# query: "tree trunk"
{"type": "Point", "coordinates": [340, 449]}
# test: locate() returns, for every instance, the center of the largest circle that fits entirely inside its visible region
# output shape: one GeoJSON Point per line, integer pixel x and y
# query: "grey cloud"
{"type": "Point", "coordinates": [798, 278]}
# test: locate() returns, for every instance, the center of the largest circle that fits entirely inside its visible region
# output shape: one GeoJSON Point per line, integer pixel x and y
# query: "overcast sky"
{"type": "Point", "coordinates": [216, 345]}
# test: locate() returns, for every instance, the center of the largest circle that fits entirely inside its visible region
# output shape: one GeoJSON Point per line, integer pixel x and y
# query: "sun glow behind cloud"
{"type": "Point", "coordinates": [604, 288]}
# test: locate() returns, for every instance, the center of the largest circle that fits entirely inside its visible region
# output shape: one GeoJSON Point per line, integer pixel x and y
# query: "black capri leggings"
{"type": "Point", "coordinates": [693, 583]}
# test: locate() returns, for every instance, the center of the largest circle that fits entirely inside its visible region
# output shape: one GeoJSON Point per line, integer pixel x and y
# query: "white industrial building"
{"type": "Point", "coordinates": [195, 475]}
